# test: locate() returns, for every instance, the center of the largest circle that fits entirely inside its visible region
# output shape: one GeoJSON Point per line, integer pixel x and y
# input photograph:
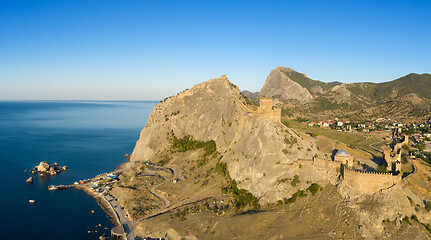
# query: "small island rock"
{"type": "Point", "coordinates": [29, 180]}
{"type": "Point", "coordinates": [43, 167]}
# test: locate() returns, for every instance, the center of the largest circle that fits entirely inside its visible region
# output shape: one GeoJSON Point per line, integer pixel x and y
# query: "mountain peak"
{"type": "Point", "coordinates": [286, 69]}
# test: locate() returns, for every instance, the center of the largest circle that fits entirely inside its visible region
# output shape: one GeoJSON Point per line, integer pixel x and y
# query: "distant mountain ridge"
{"type": "Point", "coordinates": [409, 95]}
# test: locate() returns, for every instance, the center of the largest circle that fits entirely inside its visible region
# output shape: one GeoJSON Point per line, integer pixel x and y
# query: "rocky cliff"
{"type": "Point", "coordinates": [258, 152]}
{"type": "Point", "coordinates": [280, 84]}
{"type": "Point", "coordinates": [211, 152]}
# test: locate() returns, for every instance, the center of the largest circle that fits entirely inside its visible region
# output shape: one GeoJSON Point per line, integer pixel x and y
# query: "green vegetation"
{"type": "Point", "coordinates": [407, 220]}
{"type": "Point", "coordinates": [306, 82]}
{"type": "Point", "coordinates": [350, 139]}
{"type": "Point", "coordinates": [295, 181]}
{"type": "Point", "coordinates": [410, 199]}
{"type": "Point", "coordinates": [329, 103]}
{"type": "Point", "coordinates": [428, 205]}
{"type": "Point", "coordinates": [426, 226]}
{"type": "Point", "coordinates": [165, 160]}
{"type": "Point", "coordinates": [285, 151]}
{"type": "Point", "coordinates": [221, 168]}
{"type": "Point", "coordinates": [141, 206]}
{"type": "Point", "coordinates": [412, 83]}
{"type": "Point", "coordinates": [300, 119]}
{"type": "Point", "coordinates": [283, 180]}
{"type": "Point", "coordinates": [188, 143]}
{"type": "Point", "coordinates": [290, 141]}
{"type": "Point", "coordinates": [407, 148]}
{"type": "Point", "coordinates": [248, 101]}
{"type": "Point", "coordinates": [295, 196]}
{"type": "Point", "coordinates": [181, 214]}
{"type": "Point", "coordinates": [313, 188]}
{"type": "Point", "coordinates": [242, 197]}
{"type": "Point", "coordinates": [381, 169]}
{"type": "Point", "coordinates": [286, 112]}
{"type": "Point", "coordinates": [285, 122]}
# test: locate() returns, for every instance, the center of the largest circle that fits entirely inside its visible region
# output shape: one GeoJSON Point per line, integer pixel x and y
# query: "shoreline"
{"type": "Point", "coordinates": [102, 203]}
{"type": "Point", "coordinates": [123, 226]}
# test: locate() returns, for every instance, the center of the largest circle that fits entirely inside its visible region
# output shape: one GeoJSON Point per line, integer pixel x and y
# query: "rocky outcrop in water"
{"type": "Point", "coordinates": [29, 180]}
{"type": "Point", "coordinates": [45, 169]}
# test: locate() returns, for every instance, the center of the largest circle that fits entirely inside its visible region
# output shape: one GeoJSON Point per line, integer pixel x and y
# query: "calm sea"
{"type": "Point", "coordinates": [90, 137]}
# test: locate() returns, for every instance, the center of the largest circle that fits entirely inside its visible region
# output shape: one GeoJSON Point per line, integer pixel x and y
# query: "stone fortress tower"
{"type": "Point", "coordinates": [392, 156]}
{"type": "Point", "coordinates": [267, 111]}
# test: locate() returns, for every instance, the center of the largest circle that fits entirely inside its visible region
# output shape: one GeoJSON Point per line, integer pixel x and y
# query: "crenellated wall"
{"type": "Point", "coordinates": [369, 182]}
{"type": "Point", "coordinates": [328, 164]}
{"type": "Point", "coordinates": [365, 182]}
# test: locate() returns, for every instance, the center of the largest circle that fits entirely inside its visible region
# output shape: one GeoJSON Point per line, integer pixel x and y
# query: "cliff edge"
{"type": "Point", "coordinates": [258, 152]}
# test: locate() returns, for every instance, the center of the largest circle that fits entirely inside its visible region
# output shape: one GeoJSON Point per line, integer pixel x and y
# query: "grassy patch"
{"type": "Point", "coordinates": [348, 138]}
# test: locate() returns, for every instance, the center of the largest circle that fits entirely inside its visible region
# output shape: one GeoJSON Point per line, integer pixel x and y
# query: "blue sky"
{"type": "Point", "coordinates": [147, 50]}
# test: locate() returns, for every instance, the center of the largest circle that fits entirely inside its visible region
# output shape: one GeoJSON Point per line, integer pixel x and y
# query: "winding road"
{"type": "Point", "coordinates": [125, 222]}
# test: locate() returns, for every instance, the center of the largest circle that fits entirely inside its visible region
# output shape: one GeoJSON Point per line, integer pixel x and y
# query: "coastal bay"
{"type": "Point", "coordinates": [88, 137]}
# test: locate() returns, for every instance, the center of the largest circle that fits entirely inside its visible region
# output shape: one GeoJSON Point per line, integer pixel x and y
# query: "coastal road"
{"type": "Point", "coordinates": [125, 222]}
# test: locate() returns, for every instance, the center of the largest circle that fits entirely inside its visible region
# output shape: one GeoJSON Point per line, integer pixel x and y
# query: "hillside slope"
{"type": "Point", "coordinates": [408, 96]}
{"type": "Point", "coordinates": [251, 147]}
{"type": "Point", "coordinates": [204, 160]}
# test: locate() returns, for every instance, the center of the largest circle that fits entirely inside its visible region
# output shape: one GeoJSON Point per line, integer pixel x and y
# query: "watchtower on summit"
{"type": "Point", "coordinates": [267, 111]}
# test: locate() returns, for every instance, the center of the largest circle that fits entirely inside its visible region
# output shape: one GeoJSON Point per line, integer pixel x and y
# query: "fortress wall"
{"type": "Point", "coordinates": [265, 104]}
{"type": "Point", "coordinates": [274, 115]}
{"type": "Point", "coordinates": [265, 110]}
{"type": "Point", "coordinates": [328, 164]}
{"type": "Point", "coordinates": [401, 144]}
{"type": "Point", "coordinates": [368, 182]}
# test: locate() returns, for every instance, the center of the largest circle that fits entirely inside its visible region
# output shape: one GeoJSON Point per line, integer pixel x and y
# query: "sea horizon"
{"type": "Point", "coordinates": [89, 137]}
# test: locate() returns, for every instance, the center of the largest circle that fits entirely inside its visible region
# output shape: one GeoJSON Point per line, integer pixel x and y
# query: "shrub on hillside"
{"type": "Point", "coordinates": [313, 188]}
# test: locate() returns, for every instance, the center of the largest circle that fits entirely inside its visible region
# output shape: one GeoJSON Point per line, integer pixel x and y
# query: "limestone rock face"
{"type": "Point", "coordinates": [252, 147]}
{"type": "Point", "coordinates": [279, 84]}
{"type": "Point", "coordinates": [341, 93]}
